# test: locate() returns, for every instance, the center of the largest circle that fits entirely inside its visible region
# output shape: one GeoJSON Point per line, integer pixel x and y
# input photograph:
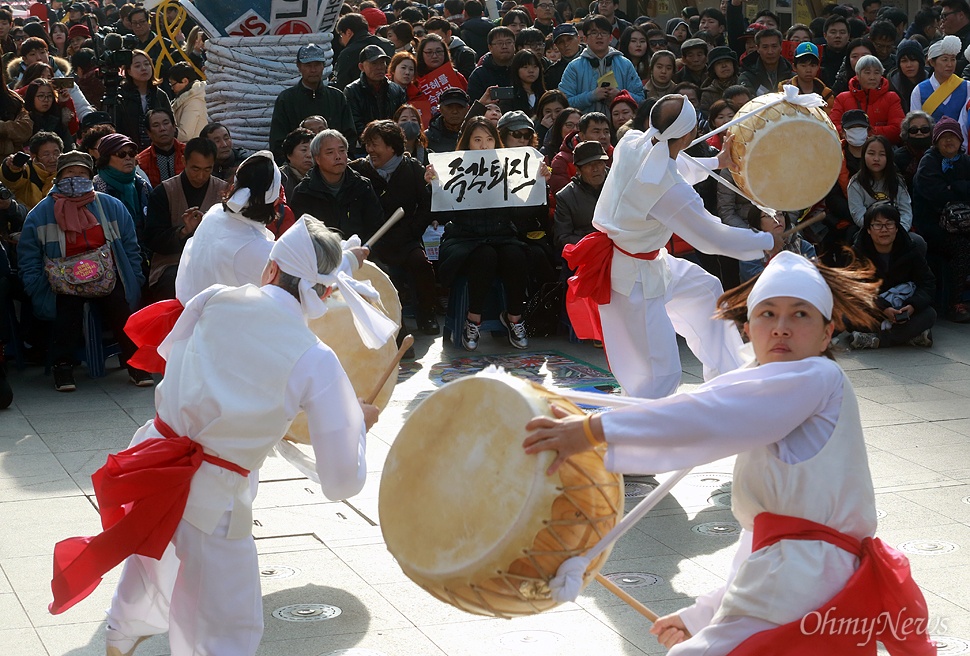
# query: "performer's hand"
{"type": "Point", "coordinates": [565, 435]}
{"type": "Point", "coordinates": [361, 253]}
{"type": "Point", "coordinates": [724, 159]}
{"type": "Point", "coordinates": [670, 630]}
{"type": "Point", "coordinates": [371, 413]}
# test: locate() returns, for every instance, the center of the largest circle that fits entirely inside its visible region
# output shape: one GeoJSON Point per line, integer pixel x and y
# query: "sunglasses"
{"type": "Point", "coordinates": [922, 130]}
{"type": "Point", "coordinates": [521, 134]}
{"type": "Point", "coordinates": [125, 154]}
{"type": "Point", "coordinates": [658, 42]}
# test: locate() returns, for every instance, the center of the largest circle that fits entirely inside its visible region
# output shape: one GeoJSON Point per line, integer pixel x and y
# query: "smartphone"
{"type": "Point", "coordinates": [20, 159]}
{"type": "Point", "coordinates": [503, 93]}
{"type": "Point", "coordinates": [63, 82]}
{"type": "Point", "coordinates": [605, 84]}
{"type": "Point", "coordinates": [902, 317]}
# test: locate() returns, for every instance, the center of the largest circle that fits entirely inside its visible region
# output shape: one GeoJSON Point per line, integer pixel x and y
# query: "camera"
{"type": "Point", "coordinates": [5, 194]}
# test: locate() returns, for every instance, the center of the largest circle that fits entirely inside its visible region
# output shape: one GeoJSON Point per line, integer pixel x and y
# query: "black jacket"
{"type": "Point", "coordinates": [486, 75]}
{"type": "Point", "coordinates": [463, 58]}
{"type": "Point", "coordinates": [553, 75]}
{"type": "Point", "coordinates": [298, 102]}
{"type": "Point", "coordinates": [754, 76]}
{"type": "Point", "coordinates": [440, 138]}
{"type": "Point", "coordinates": [131, 118]}
{"type": "Point", "coordinates": [366, 105]}
{"type": "Point", "coordinates": [345, 69]}
{"type": "Point", "coordinates": [933, 189]}
{"type": "Point", "coordinates": [906, 264]}
{"type": "Point", "coordinates": [405, 189]}
{"type": "Point", "coordinates": [573, 219]}
{"type": "Point", "coordinates": [474, 32]}
{"type": "Point", "coordinates": [354, 210]}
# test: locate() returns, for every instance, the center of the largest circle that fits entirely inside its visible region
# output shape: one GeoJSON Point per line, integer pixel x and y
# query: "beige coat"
{"type": "Point", "coordinates": [190, 111]}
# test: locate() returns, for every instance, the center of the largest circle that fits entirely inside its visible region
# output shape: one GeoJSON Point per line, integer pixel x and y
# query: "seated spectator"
{"type": "Point", "coordinates": [916, 134]}
{"type": "Point", "coordinates": [806, 74]}
{"type": "Point", "coordinates": [952, 100]}
{"type": "Point", "coordinates": [494, 68]}
{"type": "Point", "coordinates": [943, 177]}
{"type": "Point", "coordinates": [296, 150]}
{"type": "Point", "coordinates": [16, 126]}
{"type": "Point", "coordinates": [483, 245]}
{"type": "Point", "coordinates": [140, 94]}
{"type": "Point", "coordinates": [32, 180]}
{"type": "Point", "coordinates": [12, 216]}
{"type": "Point", "coordinates": [722, 73]}
{"type": "Point", "coordinates": [354, 35]}
{"type": "Point", "coordinates": [910, 70]}
{"type": "Point", "coordinates": [336, 194]}
{"type": "Point", "coordinates": [40, 99]}
{"type": "Point", "coordinates": [776, 224]}
{"type": "Point", "coordinates": [693, 56]}
{"type": "Point", "coordinates": [372, 97]}
{"type": "Point", "coordinates": [533, 40]}
{"type": "Point", "coordinates": [576, 201]}
{"type": "Point", "coordinates": [870, 92]}
{"type": "Point", "coordinates": [68, 223]}
{"type": "Point", "coordinates": [165, 156]}
{"type": "Point", "coordinates": [858, 48]}
{"type": "Point", "coordinates": [175, 209]}
{"type": "Point", "coordinates": [398, 180]}
{"type": "Point", "coordinates": [116, 177]}
{"type": "Point", "coordinates": [443, 132]}
{"type": "Point", "coordinates": [566, 123]}
{"type": "Point", "coordinates": [526, 74]}
{"type": "Point", "coordinates": [720, 113]}
{"type": "Point", "coordinates": [228, 157]}
{"type": "Point", "coordinates": [415, 140]}
{"type": "Point", "coordinates": [311, 96]}
{"type": "Point", "coordinates": [315, 124]}
{"type": "Point", "coordinates": [763, 69]}
{"type": "Point", "coordinates": [402, 71]}
{"type": "Point", "coordinates": [461, 56]}
{"type": "Point", "coordinates": [737, 96]}
{"type": "Point", "coordinates": [906, 287]}
{"type": "Point", "coordinates": [592, 127]}
{"type": "Point", "coordinates": [840, 228]}
{"type": "Point", "coordinates": [583, 79]}
{"type": "Point", "coordinates": [566, 39]}
{"type": "Point", "coordinates": [548, 108]}
{"type": "Point", "coordinates": [622, 109]}
{"type": "Point", "coordinates": [877, 181]}
{"type": "Point", "coordinates": [188, 105]}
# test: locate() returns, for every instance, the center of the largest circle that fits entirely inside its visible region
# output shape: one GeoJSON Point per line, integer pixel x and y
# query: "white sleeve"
{"type": "Point", "coordinates": [682, 210]}
{"type": "Point", "coordinates": [915, 100]}
{"type": "Point", "coordinates": [905, 204]}
{"type": "Point", "coordinates": [189, 317]}
{"type": "Point", "coordinates": [335, 422]}
{"type": "Point", "coordinates": [691, 172]}
{"type": "Point", "coordinates": [250, 260]}
{"type": "Point", "coordinates": [737, 411]}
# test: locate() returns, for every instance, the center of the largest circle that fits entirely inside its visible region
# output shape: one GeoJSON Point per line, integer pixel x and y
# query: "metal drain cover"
{"type": "Point", "coordinates": [728, 529]}
{"type": "Point", "coordinates": [950, 646]}
{"type": "Point", "coordinates": [634, 579]}
{"type": "Point", "coordinates": [927, 547]}
{"type": "Point", "coordinates": [354, 651]}
{"type": "Point", "coordinates": [306, 613]}
{"type": "Point", "coordinates": [722, 499]}
{"type": "Point", "coordinates": [636, 490]}
{"type": "Point", "coordinates": [276, 572]}
{"type": "Point", "coordinates": [708, 479]}
{"type": "Point", "coordinates": [530, 639]}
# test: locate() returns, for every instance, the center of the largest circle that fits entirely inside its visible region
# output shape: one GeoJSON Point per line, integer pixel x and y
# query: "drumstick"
{"type": "Point", "coordinates": [406, 343]}
{"type": "Point", "coordinates": [636, 605]}
{"type": "Point", "coordinates": [812, 220]}
{"type": "Point", "coordinates": [397, 216]}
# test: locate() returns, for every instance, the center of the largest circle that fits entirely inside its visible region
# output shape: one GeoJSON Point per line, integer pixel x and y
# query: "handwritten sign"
{"type": "Point", "coordinates": [434, 83]}
{"type": "Point", "coordinates": [487, 179]}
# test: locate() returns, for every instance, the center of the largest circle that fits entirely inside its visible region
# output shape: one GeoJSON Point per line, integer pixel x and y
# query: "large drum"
{"type": "Point", "coordinates": [474, 520]}
{"type": "Point", "coordinates": [789, 156]}
{"type": "Point", "coordinates": [364, 366]}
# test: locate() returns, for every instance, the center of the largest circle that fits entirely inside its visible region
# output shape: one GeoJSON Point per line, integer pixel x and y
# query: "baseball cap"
{"type": "Point", "coordinates": [74, 158]}
{"type": "Point", "coordinates": [371, 53]}
{"type": "Point", "coordinates": [806, 49]}
{"type": "Point", "coordinates": [311, 53]}
{"type": "Point", "coordinates": [517, 120]}
{"type": "Point", "coordinates": [588, 151]}
{"type": "Point", "coordinates": [855, 118]}
{"type": "Point", "coordinates": [95, 118]}
{"type": "Point", "coordinates": [566, 29]}
{"type": "Point", "coordinates": [453, 96]}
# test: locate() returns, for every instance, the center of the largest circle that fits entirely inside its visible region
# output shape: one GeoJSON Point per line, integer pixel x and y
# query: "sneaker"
{"type": "Point", "coordinates": [470, 336]}
{"type": "Point", "coordinates": [925, 338]}
{"type": "Point", "coordinates": [429, 325]}
{"type": "Point", "coordinates": [140, 378]}
{"type": "Point", "coordinates": [64, 378]}
{"type": "Point", "coordinates": [959, 313]}
{"type": "Point", "coordinates": [517, 336]}
{"type": "Point", "coordinates": [864, 340]}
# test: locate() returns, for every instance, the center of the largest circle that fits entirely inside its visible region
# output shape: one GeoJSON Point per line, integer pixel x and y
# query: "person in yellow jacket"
{"type": "Point", "coordinates": [31, 180]}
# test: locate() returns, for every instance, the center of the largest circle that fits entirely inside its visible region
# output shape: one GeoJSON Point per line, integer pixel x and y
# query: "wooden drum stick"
{"type": "Point", "coordinates": [812, 220]}
{"type": "Point", "coordinates": [636, 605]}
{"type": "Point", "coordinates": [397, 216]}
{"type": "Point", "coordinates": [405, 345]}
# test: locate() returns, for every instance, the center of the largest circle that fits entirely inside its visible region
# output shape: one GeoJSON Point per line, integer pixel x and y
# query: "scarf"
{"type": "Point", "coordinates": [389, 167]}
{"type": "Point", "coordinates": [949, 163]}
{"type": "Point", "coordinates": [72, 214]}
{"type": "Point", "coordinates": [124, 183]}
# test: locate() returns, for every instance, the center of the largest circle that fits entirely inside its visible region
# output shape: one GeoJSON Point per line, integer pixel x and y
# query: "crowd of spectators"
{"type": "Point", "coordinates": [564, 78]}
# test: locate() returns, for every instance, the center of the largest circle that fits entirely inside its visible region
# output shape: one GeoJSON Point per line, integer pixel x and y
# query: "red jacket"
{"type": "Point", "coordinates": [149, 164]}
{"type": "Point", "coordinates": [881, 105]}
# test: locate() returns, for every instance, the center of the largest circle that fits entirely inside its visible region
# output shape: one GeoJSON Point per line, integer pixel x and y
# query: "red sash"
{"type": "Point", "coordinates": [881, 597]}
{"type": "Point", "coordinates": [592, 260]}
{"type": "Point", "coordinates": [147, 328]}
{"type": "Point", "coordinates": [142, 492]}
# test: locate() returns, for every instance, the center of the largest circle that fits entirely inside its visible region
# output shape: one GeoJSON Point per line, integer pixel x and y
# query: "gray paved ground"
{"type": "Point", "coordinates": [915, 406]}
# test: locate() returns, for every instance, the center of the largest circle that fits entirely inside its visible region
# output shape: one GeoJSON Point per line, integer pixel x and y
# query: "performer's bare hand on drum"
{"type": "Point", "coordinates": [371, 413]}
{"type": "Point", "coordinates": [361, 253]}
{"type": "Point", "coordinates": [724, 159]}
{"type": "Point", "coordinates": [565, 435]}
{"type": "Point", "coordinates": [670, 630]}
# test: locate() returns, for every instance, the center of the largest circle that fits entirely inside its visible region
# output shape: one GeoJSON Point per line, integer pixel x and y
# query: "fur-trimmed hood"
{"type": "Point", "coordinates": [14, 72]}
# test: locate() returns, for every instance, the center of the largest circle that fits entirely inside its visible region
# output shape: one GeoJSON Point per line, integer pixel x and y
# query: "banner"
{"type": "Point", "coordinates": [487, 179]}
{"type": "Point", "coordinates": [261, 17]}
{"type": "Point", "coordinates": [434, 83]}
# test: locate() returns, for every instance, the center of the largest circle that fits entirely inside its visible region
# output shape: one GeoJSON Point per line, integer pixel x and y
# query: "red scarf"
{"type": "Point", "coordinates": [72, 214]}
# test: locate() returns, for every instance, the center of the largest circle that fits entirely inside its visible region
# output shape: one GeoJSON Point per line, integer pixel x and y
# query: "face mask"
{"type": "Point", "coordinates": [921, 142]}
{"type": "Point", "coordinates": [411, 130]}
{"type": "Point", "coordinates": [75, 186]}
{"type": "Point", "coordinates": [856, 136]}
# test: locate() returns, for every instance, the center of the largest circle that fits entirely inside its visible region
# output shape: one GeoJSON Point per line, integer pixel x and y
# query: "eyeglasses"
{"type": "Point", "coordinates": [923, 130]}
{"type": "Point", "coordinates": [882, 227]}
{"type": "Point", "coordinates": [596, 33]}
{"type": "Point", "coordinates": [545, 5]}
{"type": "Point", "coordinates": [658, 42]}
{"type": "Point", "coordinates": [125, 154]}
{"type": "Point", "coordinates": [434, 53]}
{"type": "Point", "coordinates": [521, 134]}
{"type": "Point", "coordinates": [945, 14]}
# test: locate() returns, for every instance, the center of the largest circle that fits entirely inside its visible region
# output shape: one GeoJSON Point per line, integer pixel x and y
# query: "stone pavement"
{"type": "Point", "coordinates": [915, 406]}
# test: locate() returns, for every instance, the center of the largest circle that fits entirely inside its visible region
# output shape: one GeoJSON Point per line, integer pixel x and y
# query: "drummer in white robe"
{"type": "Point", "coordinates": [647, 197]}
{"type": "Point", "coordinates": [213, 605]}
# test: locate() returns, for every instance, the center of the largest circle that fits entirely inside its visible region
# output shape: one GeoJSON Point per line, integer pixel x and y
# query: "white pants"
{"type": "Point", "coordinates": [204, 591]}
{"type": "Point", "coordinates": [719, 639]}
{"type": "Point", "coordinates": [640, 335]}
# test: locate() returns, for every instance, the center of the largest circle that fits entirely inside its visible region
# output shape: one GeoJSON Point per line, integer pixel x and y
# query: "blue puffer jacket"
{"type": "Point", "coordinates": [579, 80]}
{"type": "Point", "coordinates": [42, 237]}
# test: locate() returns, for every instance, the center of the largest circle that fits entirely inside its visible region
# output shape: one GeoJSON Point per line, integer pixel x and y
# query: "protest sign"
{"type": "Point", "coordinates": [434, 83]}
{"type": "Point", "coordinates": [477, 179]}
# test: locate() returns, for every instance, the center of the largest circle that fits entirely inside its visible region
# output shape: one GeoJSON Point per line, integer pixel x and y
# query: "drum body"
{"type": "Point", "coordinates": [364, 366]}
{"type": "Point", "coordinates": [789, 156]}
{"type": "Point", "coordinates": [472, 518]}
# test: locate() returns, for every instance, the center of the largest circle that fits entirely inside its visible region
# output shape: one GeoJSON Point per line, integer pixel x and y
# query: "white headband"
{"type": "Point", "coordinates": [656, 161]}
{"type": "Point", "coordinates": [948, 45]}
{"type": "Point", "coordinates": [790, 274]}
{"type": "Point", "coordinates": [295, 255]}
{"type": "Point", "coordinates": [238, 201]}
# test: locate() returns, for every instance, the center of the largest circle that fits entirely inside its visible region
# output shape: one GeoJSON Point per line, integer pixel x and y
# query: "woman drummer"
{"type": "Point", "coordinates": [800, 548]}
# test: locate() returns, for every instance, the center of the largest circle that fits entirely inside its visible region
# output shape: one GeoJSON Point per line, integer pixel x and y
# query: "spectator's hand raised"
{"type": "Point", "coordinates": [430, 174]}
{"type": "Point", "coordinates": [487, 96]}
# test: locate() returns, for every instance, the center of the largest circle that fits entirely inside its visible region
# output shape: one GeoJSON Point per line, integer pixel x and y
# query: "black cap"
{"type": "Point", "coordinates": [588, 151]}
{"type": "Point", "coordinates": [855, 118]}
{"type": "Point", "coordinates": [566, 29]}
{"type": "Point", "coordinates": [95, 118]}
{"type": "Point", "coordinates": [371, 53]}
{"type": "Point", "coordinates": [453, 96]}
